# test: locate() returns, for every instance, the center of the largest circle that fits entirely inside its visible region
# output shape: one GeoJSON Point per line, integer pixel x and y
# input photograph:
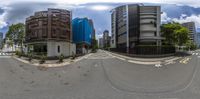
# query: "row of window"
{"type": "Point", "coordinates": [43, 33]}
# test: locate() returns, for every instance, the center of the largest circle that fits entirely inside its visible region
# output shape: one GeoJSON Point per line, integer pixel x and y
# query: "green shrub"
{"type": "Point", "coordinates": [73, 55]}
{"type": "Point", "coordinates": [18, 53]}
{"type": "Point", "coordinates": [42, 59]}
{"type": "Point", "coordinates": [61, 57]}
{"type": "Point", "coordinates": [94, 50]}
{"type": "Point", "coordinates": [30, 57]}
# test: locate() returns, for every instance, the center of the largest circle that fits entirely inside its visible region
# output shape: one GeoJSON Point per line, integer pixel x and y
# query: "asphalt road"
{"type": "Point", "coordinates": [101, 76]}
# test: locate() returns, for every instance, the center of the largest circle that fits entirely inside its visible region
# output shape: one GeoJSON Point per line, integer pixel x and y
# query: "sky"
{"type": "Point", "coordinates": [14, 11]}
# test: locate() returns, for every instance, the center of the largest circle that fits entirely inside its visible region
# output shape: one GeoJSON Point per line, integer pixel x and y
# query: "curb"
{"type": "Point", "coordinates": [44, 65]}
{"type": "Point", "coordinates": [145, 60]}
{"type": "Point", "coordinates": [53, 65]}
{"type": "Point", "coordinates": [131, 60]}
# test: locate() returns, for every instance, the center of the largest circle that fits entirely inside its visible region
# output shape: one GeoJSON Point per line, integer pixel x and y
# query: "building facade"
{"type": "Point", "coordinates": [134, 25]}
{"type": "Point", "coordinates": [10, 46]}
{"type": "Point", "coordinates": [49, 32]}
{"type": "Point", "coordinates": [192, 31]}
{"type": "Point", "coordinates": [1, 40]}
{"type": "Point", "coordinates": [106, 39]}
{"type": "Point", "coordinates": [198, 39]}
{"type": "Point", "coordinates": [93, 35]}
{"type": "Point", "coordinates": [101, 45]}
{"type": "Point", "coordinates": [83, 31]}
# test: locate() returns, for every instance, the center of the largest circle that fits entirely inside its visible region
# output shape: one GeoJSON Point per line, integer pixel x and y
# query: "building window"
{"type": "Point", "coordinates": [155, 34]}
{"type": "Point", "coordinates": [58, 49]}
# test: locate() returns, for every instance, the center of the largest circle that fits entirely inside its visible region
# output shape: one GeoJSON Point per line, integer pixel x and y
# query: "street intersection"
{"type": "Point", "coordinates": [103, 75]}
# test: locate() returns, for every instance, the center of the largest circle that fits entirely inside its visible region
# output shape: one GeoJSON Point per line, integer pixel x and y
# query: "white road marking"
{"type": "Point", "coordinates": [193, 53]}
{"type": "Point", "coordinates": [158, 65]}
{"type": "Point", "coordinates": [185, 60]}
{"type": "Point", "coordinates": [5, 55]}
{"type": "Point", "coordinates": [143, 63]}
{"type": "Point", "coordinates": [198, 56]}
{"type": "Point", "coordinates": [121, 58]}
{"type": "Point", "coordinates": [197, 53]}
{"type": "Point", "coordinates": [170, 62]}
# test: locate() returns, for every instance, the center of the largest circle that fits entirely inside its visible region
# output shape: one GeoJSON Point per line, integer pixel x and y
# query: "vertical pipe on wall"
{"type": "Point", "coordinates": [127, 30]}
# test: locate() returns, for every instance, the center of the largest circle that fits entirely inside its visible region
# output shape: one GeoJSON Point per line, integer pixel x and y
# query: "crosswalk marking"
{"type": "Point", "coordinates": [5, 54]}
{"type": "Point", "coordinates": [185, 60]}
{"type": "Point", "coordinates": [195, 53]}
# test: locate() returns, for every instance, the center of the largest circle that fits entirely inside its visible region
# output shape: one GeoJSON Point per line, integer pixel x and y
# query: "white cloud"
{"type": "Point", "coordinates": [100, 7]}
{"type": "Point", "coordinates": [2, 21]}
{"type": "Point", "coordinates": [192, 18]}
{"type": "Point", "coordinates": [165, 18]}
{"type": "Point", "coordinates": [193, 3]}
{"type": "Point", "coordinates": [182, 19]}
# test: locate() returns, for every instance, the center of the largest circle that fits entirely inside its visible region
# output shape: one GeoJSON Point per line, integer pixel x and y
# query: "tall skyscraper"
{"type": "Point", "coordinates": [101, 43]}
{"type": "Point", "coordinates": [93, 42]}
{"type": "Point", "coordinates": [49, 32]}
{"type": "Point", "coordinates": [83, 31]}
{"type": "Point", "coordinates": [134, 25]}
{"type": "Point", "coordinates": [106, 39]}
{"type": "Point", "coordinates": [192, 31]}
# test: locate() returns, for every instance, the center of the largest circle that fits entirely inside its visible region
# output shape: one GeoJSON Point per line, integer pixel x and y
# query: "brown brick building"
{"type": "Point", "coordinates": [49, 32]}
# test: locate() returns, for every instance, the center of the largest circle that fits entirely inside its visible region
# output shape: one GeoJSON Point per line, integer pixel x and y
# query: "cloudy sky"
{"type": "Point", "coordinates": [14, 11]}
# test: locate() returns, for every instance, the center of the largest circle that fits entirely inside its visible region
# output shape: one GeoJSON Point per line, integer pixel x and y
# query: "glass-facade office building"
{"type": "Point", "coordinates": [82, 33]}
{"type": "Point", "coordinates": [134, 25]}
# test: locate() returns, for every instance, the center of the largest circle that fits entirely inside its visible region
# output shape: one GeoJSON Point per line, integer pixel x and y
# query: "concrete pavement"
{"type": "Point", "coordinates": [100, 76]}
{"type": "Point", "coordinates": [149, 79]}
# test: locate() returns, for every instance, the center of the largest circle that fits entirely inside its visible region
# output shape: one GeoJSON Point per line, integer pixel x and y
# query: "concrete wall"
{"type": "Point", "coordinates": [149, 16]}
{"type": "Point", "coordinates": [147, 34]}
{"type": "Point", "coordinates": [66, 48]}
{"type": "Point", "coordinates": [147, 27]}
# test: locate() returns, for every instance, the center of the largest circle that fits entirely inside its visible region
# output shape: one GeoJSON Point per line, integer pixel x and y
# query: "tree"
{"type": "Point", "coordinates": [181, 36]}
{"type": "Point", "coordinates": [16, 34]}
{"type": "Point", "coordinates": [174, 34]}
{"type": "Point", "coordinates": [190, 45]}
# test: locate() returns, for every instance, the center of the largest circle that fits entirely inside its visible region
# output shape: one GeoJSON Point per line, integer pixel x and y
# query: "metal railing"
{"type": "Point", "coordinates": [146, 50]}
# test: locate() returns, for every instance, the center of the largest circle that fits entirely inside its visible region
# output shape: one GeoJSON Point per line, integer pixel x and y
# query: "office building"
{"type": "Point", "coordinates": [49, 32]}
{"type": "Point", "coordinates": [106, 39]}
{"type": "Point", "coordinates": [83, 31]}
{"type": "Point", "coordinates": [198, 39]}
{"type": "Point", "coordinates": [93, 42]}
{"type": "Point", "coordinates": [1, 40]}
{"type": "Point", "coordinates": [101, 43]}
{"type": "Point", "coordinates": [192, 31]}
{"type": "Point", "coordinates": [134, 25]}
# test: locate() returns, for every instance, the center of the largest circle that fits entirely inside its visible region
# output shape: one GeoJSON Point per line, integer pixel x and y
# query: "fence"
{"type": "Point", "coordinates": [146, 50]}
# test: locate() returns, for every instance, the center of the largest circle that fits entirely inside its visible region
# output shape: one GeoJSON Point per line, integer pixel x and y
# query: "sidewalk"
{"type": "Point", "coordinates": [51, 63]}
{"type": "Point", "coordinates": [144, 61]}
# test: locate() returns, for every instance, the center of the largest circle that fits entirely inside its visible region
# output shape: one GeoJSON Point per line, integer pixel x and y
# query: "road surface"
{"type": "Point", "coordinates": [101, 76]}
